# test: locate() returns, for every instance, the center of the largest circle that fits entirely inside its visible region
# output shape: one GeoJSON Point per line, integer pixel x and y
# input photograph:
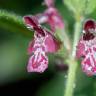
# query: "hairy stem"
{"type": "Point", "coordinates": [76, 37]}
{"type": "Point", "coordinates": [73, 64]}
{"type": "Point", "coordinates": [66, 41]}
{"type": "Point", "coordinates": [71, 78]}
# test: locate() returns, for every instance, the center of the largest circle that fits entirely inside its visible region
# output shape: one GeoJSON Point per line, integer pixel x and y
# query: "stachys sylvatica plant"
{"type": "Point", "coordinates": [44, 41]}
{"type": "Point", "coordinates": [86, 48]}
{"type": "Point", "coordinates": [55, 39]}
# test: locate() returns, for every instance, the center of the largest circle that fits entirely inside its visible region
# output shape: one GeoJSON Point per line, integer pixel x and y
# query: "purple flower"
{"type": "Point", "coordinates": [38, 62]}
{"type": "Point", "coordinates": [49, 3]}
{"type": "Point", "coordinates": [89, 25]}
{"type": "Point", "coordinates": [86, 48]}
{"type": "Point", "coordinates": [42, 43]}
{"type": "Point", "coordinates": [51, 16]}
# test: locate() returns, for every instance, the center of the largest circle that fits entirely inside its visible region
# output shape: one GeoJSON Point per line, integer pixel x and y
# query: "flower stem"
{"type": "Point", "coordinates": [66, 41]}
{"type": "Point", "coordinates": [73, 64]}
{"type": "Point", "coordinates": [76, 37]}
{"type": "Point", "coordinates": [71, 78]}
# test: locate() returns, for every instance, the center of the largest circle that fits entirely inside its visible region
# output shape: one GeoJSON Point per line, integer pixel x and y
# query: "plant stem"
{"type": "Point", "coordinates": [76, 37]}
{"type": "Point", "coordinates": [71, 78]}
{"type": "Point", "coordinates": [73, 64]}
{"type": "Point", "coordinates": [66, 40]}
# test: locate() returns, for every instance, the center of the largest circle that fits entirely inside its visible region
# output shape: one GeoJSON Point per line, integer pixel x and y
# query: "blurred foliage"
{"type": "Point", "coordinates": [83, 8]}
{"type": "Point", "coordinates": [14, 57]}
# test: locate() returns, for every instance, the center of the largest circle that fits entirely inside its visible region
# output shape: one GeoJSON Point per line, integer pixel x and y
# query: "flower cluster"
{"type": "Point", "coordinates": [87, 48]}
{"type": "Point", "coordinates": [51, 16]}
{"type": "Point", "coordinates": [42, 43]}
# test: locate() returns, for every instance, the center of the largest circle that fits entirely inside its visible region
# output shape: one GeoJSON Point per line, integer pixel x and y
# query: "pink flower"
{"type": "Point", "coordinates": [89, 25]}
{"type": "Point", "coordinates": [49, 3]}
{"type": "Point", "coordinates": [42, 43]}
{"type": "Point", "coordinates": [86, 48]}
{"type": "Point", "coordinates": [38, 62]}
{"type": "Point", "coordinates": [51, 16]}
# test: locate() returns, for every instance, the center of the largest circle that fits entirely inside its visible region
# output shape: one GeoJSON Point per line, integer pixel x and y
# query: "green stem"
{"type": "Point", "coordinates": [76, 36]}
{"type": "Point", "coordinates": [71, 78]}
{"type": "Point", "coordinates": [73, 64]}
{"type": "Point", "coordinates": [66, 40]}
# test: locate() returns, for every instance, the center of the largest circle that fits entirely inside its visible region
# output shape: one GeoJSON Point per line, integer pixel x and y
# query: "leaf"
{"type": "Point", "coordinates": [75, 5]}
{"type": "Point", "coordinates": [81, 7]}
{"type": "Point", "coordinates": [91, 6]}
{"type": "Point", "coordinates": [13, 22]}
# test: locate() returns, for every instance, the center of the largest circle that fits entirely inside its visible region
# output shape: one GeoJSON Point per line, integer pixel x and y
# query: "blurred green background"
{"type": "Point", "coordinates": [13, 57]}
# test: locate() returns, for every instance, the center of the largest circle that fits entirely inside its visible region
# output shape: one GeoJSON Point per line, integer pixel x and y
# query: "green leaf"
{"type": "Point", "coordinates": [13, 23]}
{"type": "Point", "coordinates": [81, 7]}
{"type": "Point", "coordinates": [91, 6]}
{"type": "Point", "coordinates": [76, 6]}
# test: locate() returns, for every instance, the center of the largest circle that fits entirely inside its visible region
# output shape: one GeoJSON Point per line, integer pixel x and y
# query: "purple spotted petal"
{"type": "Point", "coordinates": [43, 42]}
{"type": "Point", "coordinates": [87, 49]}
{"type": "Point", "coordinates": [54, 18]}
{"type": "Point", "coordinates": [52, 45]}
{"type": "Point", "coordinates": [30, 47]}
{"type": "Point", "coordinates": [88, 66]}
{"type": "Point", "coordinates": [48, 43]}
{"type": "Point", "coordinates": [89, 63]}
{"type": "Point", "coordinates": [38, 62]}
{"type": "Point", "coordinates": [88, 36]}
{"type": "Point", "coordinates": [80, 50]}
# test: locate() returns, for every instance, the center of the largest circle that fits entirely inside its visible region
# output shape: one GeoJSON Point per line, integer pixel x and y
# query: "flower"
{"type": "Point", "coordinates": [49, 3]}
{"type": "Point", "coordinates": [38, 62]}
{"type": "Point", "coordinates": [42, 43]}
{"type": "Point", "coordinates": [51, 16]}
{"type": "Point", "coordinates": [89, 25]}
{"type": "Point", "coordinates": [86, 48]}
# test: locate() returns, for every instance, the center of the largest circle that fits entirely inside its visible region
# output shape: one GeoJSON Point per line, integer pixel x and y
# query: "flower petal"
{"type": "Point", "coordinates": [54, 18]}
{"type": "Point", "coordinates": [89, 24]}
{"type": "Point", "coordinates": [88, 36]}
{"type": "Point", "coordinates": [49, 3]}
{"type": "Point", "coordinates": [52, 44]}
{"type": "Point", "coordinates": [87, 49]}
{"type": "Point", "coordinates": [41, 18]}
{"type": "Point", "coordinates": [30, 21]}
{"type": "Point", "coordinates": [37, 62]}
{"type": "Point", "coordinates": [30, 47]}
{"type": "Point", "coordinates": [80, 50]}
